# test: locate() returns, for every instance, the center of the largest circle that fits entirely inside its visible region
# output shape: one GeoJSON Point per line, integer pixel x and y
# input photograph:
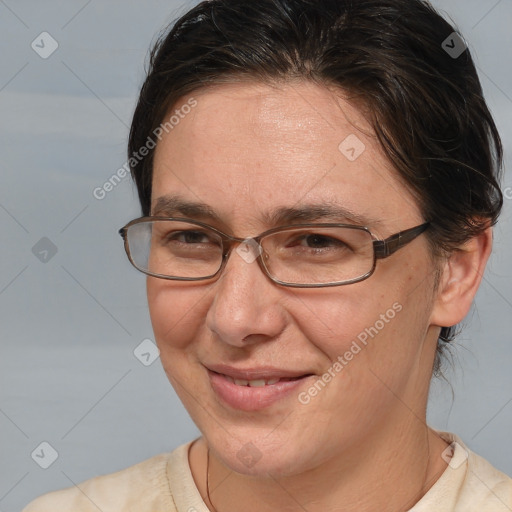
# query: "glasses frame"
{"type": "Point", "coordinates": [381, 248]}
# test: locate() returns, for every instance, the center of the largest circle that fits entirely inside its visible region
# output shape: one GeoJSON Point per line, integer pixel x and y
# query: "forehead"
{"type": "Point", "coordinates": [246, 149]}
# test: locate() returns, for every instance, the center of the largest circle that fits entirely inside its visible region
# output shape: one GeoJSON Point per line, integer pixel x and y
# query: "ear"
{"type": "Point", "coordinates": [461, 275]}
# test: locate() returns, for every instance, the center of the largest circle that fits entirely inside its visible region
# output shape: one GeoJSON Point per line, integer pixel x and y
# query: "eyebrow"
{"type": "Point", "coordinates": [175, 205]}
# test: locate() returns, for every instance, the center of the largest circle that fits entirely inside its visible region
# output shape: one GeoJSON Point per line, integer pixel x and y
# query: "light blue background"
{"type": "Point", "coordinates": [69, 326]}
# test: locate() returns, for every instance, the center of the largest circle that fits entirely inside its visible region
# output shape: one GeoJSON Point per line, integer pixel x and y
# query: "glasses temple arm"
{"type": "Point", "coordinates": [385, 248]}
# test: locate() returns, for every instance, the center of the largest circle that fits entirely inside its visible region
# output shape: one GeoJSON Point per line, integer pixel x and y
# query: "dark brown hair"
{"type": "Point", "coordinates": [392, 57]}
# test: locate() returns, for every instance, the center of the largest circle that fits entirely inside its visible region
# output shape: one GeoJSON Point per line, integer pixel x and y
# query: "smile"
{"type": "Point", "coordinates": [257, 393]}
{"type": "Point", "coordinates": [259, 383]}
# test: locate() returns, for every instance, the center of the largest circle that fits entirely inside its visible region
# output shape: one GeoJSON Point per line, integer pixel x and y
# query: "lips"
{"type": "Point", "coordinates": [266, 373]}
{"type": "Point", "coordinates": [251, 389]}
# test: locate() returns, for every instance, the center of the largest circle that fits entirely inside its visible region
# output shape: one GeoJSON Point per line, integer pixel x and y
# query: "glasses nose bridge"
{"type": "Point", "coordinates": [228, 241]}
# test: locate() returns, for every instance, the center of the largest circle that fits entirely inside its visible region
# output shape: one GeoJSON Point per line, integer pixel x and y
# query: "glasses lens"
{"type": "Point", "coordinates": [174, 249]}
{"type": "Point", "coordinates": [319, 255]}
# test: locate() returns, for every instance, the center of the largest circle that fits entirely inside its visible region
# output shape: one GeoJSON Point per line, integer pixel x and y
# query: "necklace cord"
{"type": "Point", "coordinates": [208, 480]}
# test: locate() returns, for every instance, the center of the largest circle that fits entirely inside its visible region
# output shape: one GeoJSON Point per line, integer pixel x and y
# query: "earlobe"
{"type": "Point", "coordinates": [461, 274]}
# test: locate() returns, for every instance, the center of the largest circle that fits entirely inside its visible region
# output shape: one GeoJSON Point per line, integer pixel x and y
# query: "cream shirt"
{"type": "Point", "coordinates": [164, 483]}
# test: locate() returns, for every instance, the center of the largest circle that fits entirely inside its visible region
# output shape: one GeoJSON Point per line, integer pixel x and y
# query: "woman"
{"type": "Point", "coordinates": [318, 182]}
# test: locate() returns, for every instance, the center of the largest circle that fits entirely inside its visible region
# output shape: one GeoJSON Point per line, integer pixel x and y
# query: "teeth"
{"type": "Point", "coordinates": [259, 383]}
{"type": "Point", "coordinates": [256, 383]}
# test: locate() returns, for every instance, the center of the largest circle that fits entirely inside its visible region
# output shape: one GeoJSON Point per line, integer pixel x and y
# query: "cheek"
{"type": "Point", "coordinates": [175, 312]}
{"type": "Point", "coordinates": [334, 319]}
{"type": "Point", "coordinates": [378, 328]}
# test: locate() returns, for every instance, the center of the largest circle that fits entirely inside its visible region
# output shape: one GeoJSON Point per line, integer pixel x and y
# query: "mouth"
{"type": "Point", "coordinates": [255, 389]}
{"type": "Point", "coordinates": [259, 383]}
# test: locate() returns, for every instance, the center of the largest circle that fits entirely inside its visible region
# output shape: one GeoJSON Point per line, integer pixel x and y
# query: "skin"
{"type": "Point", "coordinates": [248, 148]}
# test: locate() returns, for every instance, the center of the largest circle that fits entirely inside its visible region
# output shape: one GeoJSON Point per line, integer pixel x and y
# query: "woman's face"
{"type": "Point", "coordinates": [245, 151]}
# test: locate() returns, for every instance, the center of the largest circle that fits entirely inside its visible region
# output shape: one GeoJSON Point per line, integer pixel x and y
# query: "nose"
{"type": "Point", "coordinates": [245, 308]}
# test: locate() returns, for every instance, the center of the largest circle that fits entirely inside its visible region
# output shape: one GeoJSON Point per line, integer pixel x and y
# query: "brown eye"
{"type": "Point", "coordinates": [189, 237]}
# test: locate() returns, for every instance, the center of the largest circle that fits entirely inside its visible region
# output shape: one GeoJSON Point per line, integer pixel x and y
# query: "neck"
{"type": "Point", "coordinates": [389, 473]}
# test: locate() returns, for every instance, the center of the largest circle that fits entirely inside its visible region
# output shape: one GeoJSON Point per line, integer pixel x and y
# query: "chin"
{"type": "Point", "coordinates": [253, 456]}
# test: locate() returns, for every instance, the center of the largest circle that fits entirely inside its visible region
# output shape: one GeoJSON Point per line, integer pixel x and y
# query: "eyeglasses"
{"type": "Point", "coordinates": [298, 255]}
